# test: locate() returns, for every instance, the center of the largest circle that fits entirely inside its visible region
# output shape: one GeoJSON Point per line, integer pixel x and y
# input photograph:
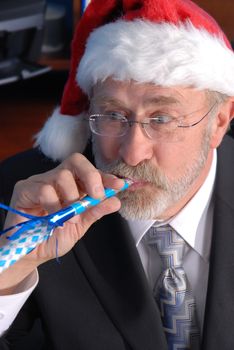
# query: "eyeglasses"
{"type": "Point", "coordinates": [162, 127]}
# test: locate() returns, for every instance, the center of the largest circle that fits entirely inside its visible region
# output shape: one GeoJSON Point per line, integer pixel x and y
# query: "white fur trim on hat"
{"type": "Point", "coordinates": [161, 53]}
{"type": "Point", "coordinates": [62, 135]}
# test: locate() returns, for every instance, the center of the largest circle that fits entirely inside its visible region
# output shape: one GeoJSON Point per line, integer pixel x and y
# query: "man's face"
{"type": "Point", "coordinates": [167, 173]}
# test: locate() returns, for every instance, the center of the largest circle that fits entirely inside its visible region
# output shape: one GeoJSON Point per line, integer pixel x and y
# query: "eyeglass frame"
{"type": "Point", "coordinates": [143, 123]}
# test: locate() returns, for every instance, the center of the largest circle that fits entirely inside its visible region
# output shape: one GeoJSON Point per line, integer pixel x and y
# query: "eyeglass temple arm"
{"type": "Point", "coordinates": [191, 125]}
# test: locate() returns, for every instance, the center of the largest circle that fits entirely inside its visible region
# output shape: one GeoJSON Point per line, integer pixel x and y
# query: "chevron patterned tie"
{"type": "Point", "coordinates": [172, 292]}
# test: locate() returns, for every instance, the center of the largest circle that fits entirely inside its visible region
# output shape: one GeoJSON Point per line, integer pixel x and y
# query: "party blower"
{"type": "Point", "coordinates": [38, 229]}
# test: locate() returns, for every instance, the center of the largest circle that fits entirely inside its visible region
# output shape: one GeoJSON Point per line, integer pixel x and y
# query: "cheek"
{"type": "Point", "coordinates": [173, 158]}
{"type": "Point", "coordinates": [166, 155]}
{"type": "Point", "coordinates": [108, 147]}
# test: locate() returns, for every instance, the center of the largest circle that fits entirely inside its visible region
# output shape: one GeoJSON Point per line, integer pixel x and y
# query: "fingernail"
{"type": "Point", "coordinates": [114, 177]}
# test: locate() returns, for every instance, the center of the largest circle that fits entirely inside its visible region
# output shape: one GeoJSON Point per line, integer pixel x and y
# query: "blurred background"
{"type": "Point", "coordinates": [35, 38]}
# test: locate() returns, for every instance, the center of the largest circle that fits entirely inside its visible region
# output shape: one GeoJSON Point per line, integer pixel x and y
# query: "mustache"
{"type": "Point", "coordinates": [144, 171]}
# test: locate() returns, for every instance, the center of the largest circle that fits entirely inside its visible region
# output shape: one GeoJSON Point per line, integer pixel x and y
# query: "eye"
{"type": "Point", "coordinates": [160, 119]}
{"type": "Point", "coordinates": [115, 115]}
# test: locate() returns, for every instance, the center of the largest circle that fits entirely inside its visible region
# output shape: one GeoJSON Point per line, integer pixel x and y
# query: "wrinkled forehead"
{"type": "Point", "coordinates": [114, 92]}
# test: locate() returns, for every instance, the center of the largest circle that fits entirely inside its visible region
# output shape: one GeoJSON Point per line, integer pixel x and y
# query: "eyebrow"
{"type": "Point", "coordinates": [161, 100]}
{"type": "Point", "coordinates": [104, 101]}
{"type": "Point", "coordinates": [155, 100]}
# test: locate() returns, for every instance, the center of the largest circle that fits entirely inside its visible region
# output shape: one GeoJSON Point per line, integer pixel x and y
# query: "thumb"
{"type": "Point", "coordinates": [93, 214]}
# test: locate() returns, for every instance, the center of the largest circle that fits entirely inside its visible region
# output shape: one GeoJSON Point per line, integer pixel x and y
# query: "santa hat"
{"type": "Point", "coordinates": [165, 42]}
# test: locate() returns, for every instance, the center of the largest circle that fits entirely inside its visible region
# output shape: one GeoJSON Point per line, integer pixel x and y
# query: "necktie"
{"type": "Point", "coordinates": [172, 291]}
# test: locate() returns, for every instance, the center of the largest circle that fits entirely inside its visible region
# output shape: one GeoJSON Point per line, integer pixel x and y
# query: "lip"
{"type": "Point", "coordinates": [137, 184]}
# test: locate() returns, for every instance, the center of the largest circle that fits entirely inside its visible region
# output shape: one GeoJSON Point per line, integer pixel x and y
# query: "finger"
{"type": "Point", "coordinates": [106, 207]}
{"type": "Point", "coordinates": [31, 196]}
{"type": "Point", "coordinates": [39, 200]}
{"type": "Point", "coordinates": [59, 181]}
{"type": "Point", "coordinates": [66, 186]}
{"type": "Point", "coordinates": [111, 181]}
{"type": "Point", "coordinates": [48, 198]}
{"type": "Point", "coordinates": [87, 176]}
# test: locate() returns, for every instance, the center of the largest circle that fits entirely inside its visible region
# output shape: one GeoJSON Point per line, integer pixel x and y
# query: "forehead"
{"type": "Point", "coordinates": [131, 92]}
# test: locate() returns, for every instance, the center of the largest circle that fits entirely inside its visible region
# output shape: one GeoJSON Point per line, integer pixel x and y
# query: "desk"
{"type": "Point", "coordinates": [24, 107]}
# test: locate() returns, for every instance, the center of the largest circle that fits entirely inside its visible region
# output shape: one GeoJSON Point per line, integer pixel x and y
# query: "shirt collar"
{"type": "Point", "coordinates": [187, 221]}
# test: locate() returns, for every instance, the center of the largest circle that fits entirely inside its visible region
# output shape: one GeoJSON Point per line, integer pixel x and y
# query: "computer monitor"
{"type": "Point", "coordinates": [21, 36]}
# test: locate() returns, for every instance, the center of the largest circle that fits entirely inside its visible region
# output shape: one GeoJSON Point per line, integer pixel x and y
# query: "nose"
{"type": "Point", "coordinates": [135, 146]}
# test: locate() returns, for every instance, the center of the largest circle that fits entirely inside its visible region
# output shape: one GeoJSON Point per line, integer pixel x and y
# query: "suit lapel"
{"type": "Point", "coordinates": [219, 322]}
{"type": "Point", "coordinates": [113, 267]}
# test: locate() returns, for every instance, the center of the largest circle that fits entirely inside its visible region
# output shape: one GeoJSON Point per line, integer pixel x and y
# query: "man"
{"type": "Point", "coordinates": [153, 82]}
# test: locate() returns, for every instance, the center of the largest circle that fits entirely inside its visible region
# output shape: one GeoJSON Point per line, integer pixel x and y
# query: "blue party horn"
{"type": "Point", "coordinates": [37, 229]}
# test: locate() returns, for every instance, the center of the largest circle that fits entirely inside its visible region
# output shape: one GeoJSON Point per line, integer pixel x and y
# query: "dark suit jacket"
{"type": "Point", "coordinates": [98, 296]}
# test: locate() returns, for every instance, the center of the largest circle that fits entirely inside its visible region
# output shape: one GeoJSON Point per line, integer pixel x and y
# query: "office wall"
{"type": "Point", "coordinates": [223, 12]}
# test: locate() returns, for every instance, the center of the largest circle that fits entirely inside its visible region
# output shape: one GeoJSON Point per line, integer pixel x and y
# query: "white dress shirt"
{"type": "Point", "coordinates": [193, 223]}
{"type": "Point", "coordinates": [11, 304]}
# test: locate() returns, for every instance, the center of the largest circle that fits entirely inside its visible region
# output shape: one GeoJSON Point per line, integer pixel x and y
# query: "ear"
{"type": "Point", "coordinates": [222, 121]}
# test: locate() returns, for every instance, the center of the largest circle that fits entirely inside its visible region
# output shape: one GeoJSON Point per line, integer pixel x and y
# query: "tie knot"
{"type": "Point", "coordinates": [169, 244]}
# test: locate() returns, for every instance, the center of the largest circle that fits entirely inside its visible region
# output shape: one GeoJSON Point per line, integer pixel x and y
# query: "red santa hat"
{"type": "Point", "coordinates": [165, 42]}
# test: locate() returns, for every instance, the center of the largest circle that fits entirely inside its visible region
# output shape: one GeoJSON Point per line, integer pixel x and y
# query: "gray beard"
{"type": "Point", "coordinates": [163, 193]}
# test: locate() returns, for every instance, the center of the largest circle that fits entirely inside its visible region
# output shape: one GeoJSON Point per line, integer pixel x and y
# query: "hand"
{"type": "Point", "coordinates": [46, 193]}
